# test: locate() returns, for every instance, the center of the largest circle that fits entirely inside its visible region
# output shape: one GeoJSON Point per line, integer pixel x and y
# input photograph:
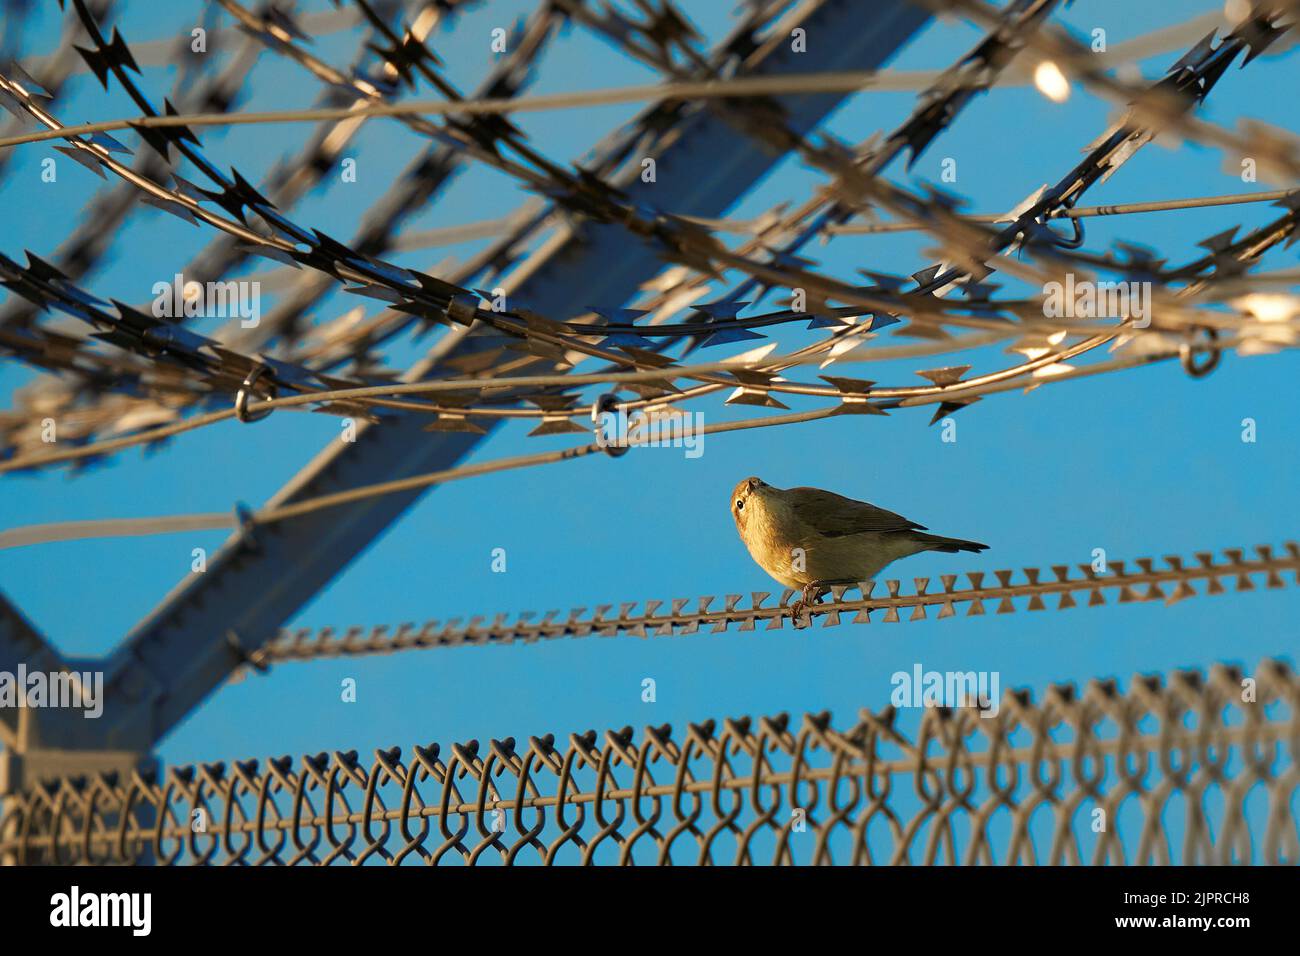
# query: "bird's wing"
{"type": "Point", "coordinates": [834, 515]}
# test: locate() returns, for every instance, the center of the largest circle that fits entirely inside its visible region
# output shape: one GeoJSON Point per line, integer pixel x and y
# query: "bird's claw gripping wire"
{"type": "Point", "coordinates": [800, 610]}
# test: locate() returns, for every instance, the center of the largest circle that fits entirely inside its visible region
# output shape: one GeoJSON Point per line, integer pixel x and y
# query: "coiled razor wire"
{"type": "Point", "coordinates": [1167, 767]}
{"type": "Point", "coordinates": [1194, 74]}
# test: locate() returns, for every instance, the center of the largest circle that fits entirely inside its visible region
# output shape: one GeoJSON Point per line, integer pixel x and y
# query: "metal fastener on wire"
{"type": "Point", "coordinates": [603, 406]}
{"type": "Point", "coordinates": [1188, 351]}
{"type": "Point", "coordinates": [249, 387]}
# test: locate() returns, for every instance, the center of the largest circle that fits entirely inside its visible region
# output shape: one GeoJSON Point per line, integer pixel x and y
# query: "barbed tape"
{"type": "Point", "coordinates": [94, 237]}
{"type": "Point", "coordinates": [914, 143]}
{"type": "Point", "coordinates": [1186, 75]}
{"type": "Point", "coordinates": [1257, 28]}
{"type": "Point", "coordinates": [288, 182]}
{"type": "Point", "coordinates": [1136, 582]}
{"type": "Point", "coordinates": [112, 58]}
{"type": "Point", "coordinates": [495, 85]}
{"type": "Point", "coordinates": [57, 69]}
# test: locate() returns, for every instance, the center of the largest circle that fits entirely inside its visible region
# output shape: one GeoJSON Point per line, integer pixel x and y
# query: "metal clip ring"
{"type": "Point", "coordinates": [606, 403]}
{"type": "Point", "coordinates": [1187, 353]}
{"type": "Point", "coordinates": [247, 389]}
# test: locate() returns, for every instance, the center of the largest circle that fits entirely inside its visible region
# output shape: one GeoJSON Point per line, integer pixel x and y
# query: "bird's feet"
{"type": "Point", "coordinates": [811, 594]}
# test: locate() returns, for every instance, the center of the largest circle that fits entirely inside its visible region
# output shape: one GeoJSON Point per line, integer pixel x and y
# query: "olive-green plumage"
{"type": "Point", "coordinates": [806, 537]}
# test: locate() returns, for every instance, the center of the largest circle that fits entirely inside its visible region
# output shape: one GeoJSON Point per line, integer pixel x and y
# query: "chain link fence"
{"type": "Point", "coordinates": [1192, 768]}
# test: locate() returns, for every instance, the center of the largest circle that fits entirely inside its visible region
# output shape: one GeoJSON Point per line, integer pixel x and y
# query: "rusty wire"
{"type": "Point", "coordinates": [1167, 767]}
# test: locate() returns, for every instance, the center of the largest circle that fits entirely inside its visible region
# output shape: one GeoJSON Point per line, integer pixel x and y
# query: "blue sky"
{"type": "Point", "coordinates": [1141, 463]}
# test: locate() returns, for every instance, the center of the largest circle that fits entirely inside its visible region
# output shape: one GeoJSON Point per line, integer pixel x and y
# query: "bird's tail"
{"type": "Point", "coordinates": [937, 542]}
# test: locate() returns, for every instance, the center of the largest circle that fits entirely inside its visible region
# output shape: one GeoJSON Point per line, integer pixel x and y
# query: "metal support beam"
{"type": "Point", "coordinates": [204, 628]}
{"type": "Point", "coordinates": [21, 648]}
{"type": "Point", "coordinates": [25, 655]}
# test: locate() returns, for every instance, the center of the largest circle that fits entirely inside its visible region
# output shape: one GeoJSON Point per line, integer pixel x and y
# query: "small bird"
{"type": "Point", "coordinates": [808, 538]}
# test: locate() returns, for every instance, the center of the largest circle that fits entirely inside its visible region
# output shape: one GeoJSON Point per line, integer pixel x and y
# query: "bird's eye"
{"type": "Point", "coordinates": [740, 505]}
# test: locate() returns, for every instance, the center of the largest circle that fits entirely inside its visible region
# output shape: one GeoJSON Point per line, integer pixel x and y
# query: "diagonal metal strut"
{"type": "Point", "coordinates": [208, 624]}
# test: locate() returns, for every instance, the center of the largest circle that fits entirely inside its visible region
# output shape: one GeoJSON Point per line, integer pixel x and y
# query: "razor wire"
{"type": "Point", "coordinates": [1167, 767]}
{"type": "Point", "coordinates": [419, 184]}
{"type": "Point", "coordinates": [741, 323]}
{"type": "Point", "coordinates": [407, 196]}
{"type": "Point", "coordinates": [754, 384]}
{"type": "Point", "coordinates": [56, 69]}
{"type": "Point", "coordinates": [95, 236]}
{"type": "Point", "coordinates": [452, 410]}
{"type": "Point", "coordinates": [950, 392]}
{"type": "Point", "coordinates": [342, 810]}
{"type": "Point", "coordinates": [1277, 151]}
{"type": "Point", "coordinates": [490, 86]}
{"type": "Point", "coordinates": [30, 280]}
{"type": "Point", "coordinates": [550, 425]}
{"type": "Point", "coordinates": [1031, 589]}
